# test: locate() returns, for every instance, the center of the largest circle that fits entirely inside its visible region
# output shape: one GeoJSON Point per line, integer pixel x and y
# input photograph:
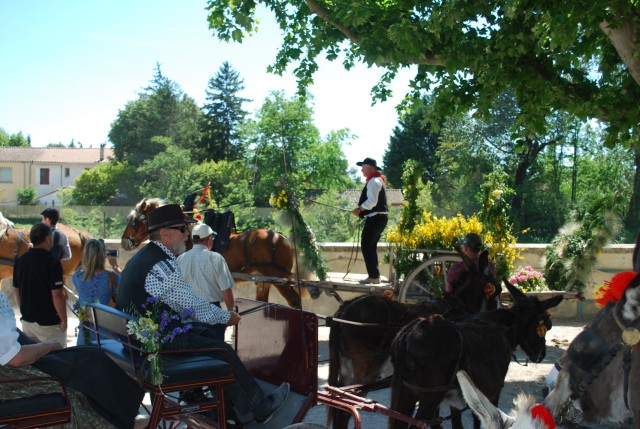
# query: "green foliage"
{"type": "Point", "coordinates": [498, 236]}
{"type": "Point", "coordinates": [15, 140]}
{"type": "Point", "coordinates": [223, 116]}
{"type": "Point", "coordinates": [163, 175]}
{"type": "Point", "coordinates": [163, 113]}
{"type": "Point", "coordinates": [26, 196]}
{"type": "Point", "coordinates": [555, 55]}
{"type": "Point", "coordinates": [95, 222]}
{"type": "Point", "coordinates": [413, 138]}
{"type": "Point", "coordinates": [99, 185]}
{"type": "Point", "coordinates": [329, 223]}
{"type": "Point", "coordinates": [463, 163]}
{"type": "Point", "coordinates": [412, 180]}
{"type": "Point", "coordinates": [286, 145]}
{"type": "Point", "coordinates": [573, 252]}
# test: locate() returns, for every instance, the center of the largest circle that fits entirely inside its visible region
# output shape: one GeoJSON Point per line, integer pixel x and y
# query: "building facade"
{"type": "Point", "coordinates": [46, 169]}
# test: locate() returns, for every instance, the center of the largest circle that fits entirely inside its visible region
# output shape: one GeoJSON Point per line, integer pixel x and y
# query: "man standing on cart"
{"type": "Point", "coordinates": [372, 207]}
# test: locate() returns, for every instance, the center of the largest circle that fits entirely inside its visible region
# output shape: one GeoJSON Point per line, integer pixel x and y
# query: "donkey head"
{"type": "Point", "coordinates": [531, 321]}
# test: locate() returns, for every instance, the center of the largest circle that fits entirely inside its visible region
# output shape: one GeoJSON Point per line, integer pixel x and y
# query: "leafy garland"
{"type": "Point", "coordinates": [573, 253]}
{"type": "Point", "coordinates": [306, 239]}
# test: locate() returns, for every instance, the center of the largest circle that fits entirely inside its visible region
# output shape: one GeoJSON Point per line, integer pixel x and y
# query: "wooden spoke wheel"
{"type": "Point", "coordinates": [427, 280]}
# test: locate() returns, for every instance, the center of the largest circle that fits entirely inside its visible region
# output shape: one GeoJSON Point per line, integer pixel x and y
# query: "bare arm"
{"type": "Point", "coordinates": [28, 354]}
{"type": "Point", "coordinates": [227, 295]}
{"type": "Point", "coordinates": [59, 302]}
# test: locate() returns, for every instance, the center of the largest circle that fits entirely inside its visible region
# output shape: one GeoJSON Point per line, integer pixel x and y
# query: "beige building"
{"type": "Point", "coordinates": [45, 169]}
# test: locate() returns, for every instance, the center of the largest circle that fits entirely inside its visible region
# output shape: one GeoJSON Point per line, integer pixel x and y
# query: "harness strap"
{"type": "Point", "coordinates": [626, 365]}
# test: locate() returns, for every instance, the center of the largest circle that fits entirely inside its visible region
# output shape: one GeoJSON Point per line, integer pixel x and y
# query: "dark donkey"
{"type": "Point", "coordinates": [599, 379]}
{"type": "Point", "coordinates": [427, 353]}
{"type": "Point", "coordinates": [364, 328]}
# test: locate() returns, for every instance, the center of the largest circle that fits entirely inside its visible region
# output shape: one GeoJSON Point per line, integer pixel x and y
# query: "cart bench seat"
{"type": "Point", "coordinates": [182, 369]}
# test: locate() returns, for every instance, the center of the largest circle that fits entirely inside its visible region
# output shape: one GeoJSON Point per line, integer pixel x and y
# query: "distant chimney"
{"type": "Point", "coordinates": [102, 151]}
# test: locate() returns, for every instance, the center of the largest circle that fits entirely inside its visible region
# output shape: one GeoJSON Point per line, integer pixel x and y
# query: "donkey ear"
{"type": "Point", "coordinates": [516, 293]}
{"type": "Point", "coordinates": [483, 262]}
{"type": "Point", "coordinates": [490, 416]}
{"type": "Point", "coordinates": [551, 302]}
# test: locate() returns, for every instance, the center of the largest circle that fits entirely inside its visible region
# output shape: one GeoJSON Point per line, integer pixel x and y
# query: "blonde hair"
{"type": "Point", "coordinates": [93, 258]}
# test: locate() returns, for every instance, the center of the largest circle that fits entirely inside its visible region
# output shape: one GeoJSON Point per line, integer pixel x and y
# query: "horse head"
{"type": "Point", "coordinates": [136, 231]}
{"type": "Point", "coordinates": [530, 321]}
{"type": "Point", "coordinates": [481, 289]}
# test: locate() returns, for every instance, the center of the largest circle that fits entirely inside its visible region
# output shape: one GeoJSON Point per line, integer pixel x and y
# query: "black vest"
{"type": "Point", "coordinates": [131, 292]}
{"type": "Point", "coordinates": [381, 206]}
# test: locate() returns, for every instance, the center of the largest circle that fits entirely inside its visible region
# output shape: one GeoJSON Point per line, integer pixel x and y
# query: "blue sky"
{"type": "Point", "coordinates": [68, 66]}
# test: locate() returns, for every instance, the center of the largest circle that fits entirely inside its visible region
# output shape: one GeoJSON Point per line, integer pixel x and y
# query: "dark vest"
{"type": "Point", "coordinates": [382, 201]}
{"type": "Point", "coordinates": [56, 249]}
{"type": "Point", "coordinates": [131, 292]}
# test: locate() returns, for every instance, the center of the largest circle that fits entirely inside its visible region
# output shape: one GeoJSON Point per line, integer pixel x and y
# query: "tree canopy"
{"type": "Point", "coordinates": [576, 57]}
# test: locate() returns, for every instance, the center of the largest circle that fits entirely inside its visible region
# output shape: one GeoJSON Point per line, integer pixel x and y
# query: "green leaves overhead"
{"type": "Point", "coordinates": [574, 57]}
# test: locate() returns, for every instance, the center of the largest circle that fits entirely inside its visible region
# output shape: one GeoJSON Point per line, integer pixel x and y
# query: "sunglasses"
{"type": "Point", "coordinates": [182, 229]}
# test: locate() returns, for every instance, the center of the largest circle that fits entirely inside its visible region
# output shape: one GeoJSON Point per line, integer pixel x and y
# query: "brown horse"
{"type": "Point", "coordinates": [15, 242]}
{"type": "Point", "coordinates": [255, 251]}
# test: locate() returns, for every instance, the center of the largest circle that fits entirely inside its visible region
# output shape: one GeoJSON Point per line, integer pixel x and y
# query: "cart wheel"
{"type": "Point", "coordinates": [419, 284]}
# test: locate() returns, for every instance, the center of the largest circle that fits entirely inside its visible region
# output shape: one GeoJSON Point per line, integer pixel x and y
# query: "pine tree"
{"type": "Point", "coordinates": [223, 114]}
{"type": "Point", "coordinates": [414, 139]}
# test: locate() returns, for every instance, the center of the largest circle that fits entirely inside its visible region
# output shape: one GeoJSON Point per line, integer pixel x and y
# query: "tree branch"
{"type": "Point", "coordinates": [429, 58]}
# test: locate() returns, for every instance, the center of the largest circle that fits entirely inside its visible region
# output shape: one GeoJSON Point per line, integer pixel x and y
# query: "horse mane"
{"type": "Point", "coordinates": [154, 203]}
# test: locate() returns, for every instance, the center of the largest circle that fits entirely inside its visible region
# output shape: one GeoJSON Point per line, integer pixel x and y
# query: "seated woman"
{"type": "Point", "coordinates": [94, 283]}
{"type": "Point", "coordinates": [108, 396]}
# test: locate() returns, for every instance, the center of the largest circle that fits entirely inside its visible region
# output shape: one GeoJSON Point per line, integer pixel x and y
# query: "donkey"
{"type": "Point", "coordinates": [526, 414]}
{"type": "Point", "coordinates": [427, 353]}
{"type": "Point", "coordinates": [363, 328]}
{"type": "Point", "coordinates": [599, 375]}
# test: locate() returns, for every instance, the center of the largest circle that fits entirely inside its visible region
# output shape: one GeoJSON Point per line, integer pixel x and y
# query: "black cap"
{"type": "Point", "coordinates": [369, 161]}
{"type": "Point", "coordinates": [170, 214]}
{"type": "Point", "coordinates": [472, 241]}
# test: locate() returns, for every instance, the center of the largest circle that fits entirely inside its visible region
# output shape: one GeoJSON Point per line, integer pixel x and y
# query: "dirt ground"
{"type": "Point", "coordinates": [528, 378]}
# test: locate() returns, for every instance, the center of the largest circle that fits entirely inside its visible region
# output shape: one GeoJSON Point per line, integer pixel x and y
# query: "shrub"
{"type": "Point", "coordinates": [26, 196]}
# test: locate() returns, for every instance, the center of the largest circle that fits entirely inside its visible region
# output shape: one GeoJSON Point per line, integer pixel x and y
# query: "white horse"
{"type": "Point", "coordinates": [525, 414]}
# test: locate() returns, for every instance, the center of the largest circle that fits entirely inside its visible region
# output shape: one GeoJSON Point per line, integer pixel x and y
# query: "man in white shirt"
{"type": "Point", "coordinates": [206, 271]}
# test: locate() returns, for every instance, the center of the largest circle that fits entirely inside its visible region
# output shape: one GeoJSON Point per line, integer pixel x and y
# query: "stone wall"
{"type": "Point", "coordinates": [345, 257]}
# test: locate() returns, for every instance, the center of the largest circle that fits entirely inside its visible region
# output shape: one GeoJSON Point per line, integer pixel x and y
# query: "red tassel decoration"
{"type": "Point", "coordinates": [541, 413]}
{"type": "Point", "coordinates": [612, 290]}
